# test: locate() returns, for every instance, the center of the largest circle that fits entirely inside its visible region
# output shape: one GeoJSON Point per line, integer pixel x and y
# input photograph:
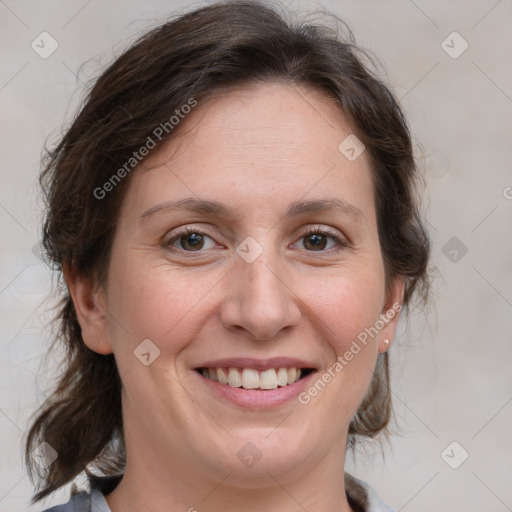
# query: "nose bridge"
{"type": "Point", "coordinates": [263, 281]}
{"type": "Point", "coordinates": [259, 299]}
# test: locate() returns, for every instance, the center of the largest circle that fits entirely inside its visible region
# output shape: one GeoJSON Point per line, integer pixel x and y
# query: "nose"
{"type": "Point", "coordinates": [260, 302]}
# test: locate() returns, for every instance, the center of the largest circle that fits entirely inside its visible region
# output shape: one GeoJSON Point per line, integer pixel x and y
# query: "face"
{"type": "Point", "coordinates": [250, 242]}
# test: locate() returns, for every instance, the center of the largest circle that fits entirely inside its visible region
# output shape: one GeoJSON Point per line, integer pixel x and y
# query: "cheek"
{"type": "Point", "coordinates": [346, 310]}
{"type": "Point", "coordinates": [158, 303]}
{"type": "Point", "coordinates": [347, 304]}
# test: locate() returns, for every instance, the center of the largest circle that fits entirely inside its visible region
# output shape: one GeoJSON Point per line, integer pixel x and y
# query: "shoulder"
{"type": "Point", "coordinates": [83, 502]}
{"type": "Point", "coordinates": [80, 502]}
{"type": "Point", "coordinates": [362, 497]}
{"type": "Point", "coordinates": [89, 501]}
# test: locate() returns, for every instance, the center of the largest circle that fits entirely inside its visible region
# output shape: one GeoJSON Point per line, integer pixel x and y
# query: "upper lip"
{"type": "Point", "coordinates": [257, 364]}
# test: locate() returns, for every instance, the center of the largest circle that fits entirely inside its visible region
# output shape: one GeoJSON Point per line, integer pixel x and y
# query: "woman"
{"type": "Point", "coordinates": [233, 214]}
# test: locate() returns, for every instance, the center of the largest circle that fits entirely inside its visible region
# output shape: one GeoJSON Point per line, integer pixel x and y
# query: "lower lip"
{"type": "Point", "coordinates": [255, 398]}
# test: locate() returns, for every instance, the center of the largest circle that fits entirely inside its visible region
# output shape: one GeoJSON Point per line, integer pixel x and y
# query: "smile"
{"type": "Point", "coordinates": [250, 378]}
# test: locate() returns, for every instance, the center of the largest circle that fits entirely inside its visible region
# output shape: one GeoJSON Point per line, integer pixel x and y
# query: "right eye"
{"type": "Point", "coordinates": [189, 240]}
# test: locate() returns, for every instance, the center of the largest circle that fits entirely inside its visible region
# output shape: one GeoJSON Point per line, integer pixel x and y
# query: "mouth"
{"type": "Point", "coordinates": [255, 379]}
{"type": "Point", "coordinates": [255, 384]}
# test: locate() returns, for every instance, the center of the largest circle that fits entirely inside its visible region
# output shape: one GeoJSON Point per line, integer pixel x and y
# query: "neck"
{"type": "Point", "coordinates": [176, 486]}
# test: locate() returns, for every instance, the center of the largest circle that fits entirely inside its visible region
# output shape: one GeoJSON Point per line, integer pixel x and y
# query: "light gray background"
{"type": "Point", "coordinates": [451, 370]}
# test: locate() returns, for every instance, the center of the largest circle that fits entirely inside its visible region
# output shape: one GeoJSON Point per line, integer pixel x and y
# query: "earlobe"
{"type": "Point", "coordinates": [384, 345]}
{"type": "Point", "coordinates": [90, 307]}
{"type": "Point", "coordinates": [391, 313]}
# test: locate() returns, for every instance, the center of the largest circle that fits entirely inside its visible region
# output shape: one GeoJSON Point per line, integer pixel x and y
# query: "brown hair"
{"type": "Point", "coordinates": [196, 55]}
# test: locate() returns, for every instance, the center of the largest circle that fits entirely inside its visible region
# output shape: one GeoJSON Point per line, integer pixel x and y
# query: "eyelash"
{"type": "Point", "coordinates": [314, 230]}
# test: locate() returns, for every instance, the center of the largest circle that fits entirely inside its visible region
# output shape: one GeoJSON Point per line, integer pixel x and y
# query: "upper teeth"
{"type": "Point", "coordinates": [253, 379]}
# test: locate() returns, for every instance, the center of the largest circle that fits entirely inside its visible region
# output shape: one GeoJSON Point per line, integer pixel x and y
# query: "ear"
{"type": "Point", "coordinates": [91, 311]}
{"type": "Point", "coordinates": [391, 313]}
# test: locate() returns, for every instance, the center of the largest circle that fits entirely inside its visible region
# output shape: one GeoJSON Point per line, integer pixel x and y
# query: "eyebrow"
{"type": "Point", "coordinates": [296, 208]}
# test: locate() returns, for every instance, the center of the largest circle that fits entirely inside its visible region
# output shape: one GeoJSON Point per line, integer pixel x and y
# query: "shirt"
{"type": "Point", "coordinates": [361, 496]}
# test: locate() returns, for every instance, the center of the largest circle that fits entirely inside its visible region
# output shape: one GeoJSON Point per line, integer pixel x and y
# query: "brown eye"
{"type": "Point", "coordinates": [315, 241]}
{"type": "Point", "coordinates": [190, 240]}
{"type": "Point", "coordinates": [323, 240]}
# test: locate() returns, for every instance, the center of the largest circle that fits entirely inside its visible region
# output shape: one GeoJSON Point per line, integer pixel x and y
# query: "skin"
{"type": "Point", "coordinates": [256, 150]}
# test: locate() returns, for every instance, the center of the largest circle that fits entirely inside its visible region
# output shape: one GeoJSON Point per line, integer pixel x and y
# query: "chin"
{"type": "Point", "coordinates": [255, 455]}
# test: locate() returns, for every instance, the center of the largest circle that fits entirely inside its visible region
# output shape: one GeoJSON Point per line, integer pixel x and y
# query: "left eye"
{"type": "Point", "coordinates": [317, 239]}
{"type": "Point", "coordinates": [193, 240]}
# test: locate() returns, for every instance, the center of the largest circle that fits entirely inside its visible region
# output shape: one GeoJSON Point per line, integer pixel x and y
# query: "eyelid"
{"type": "Point", "coordinates": [326, 230]}
{"type": "Point", "coordinates": [339, 237]}
{"type": "Point", "coordinates": [187, 229]}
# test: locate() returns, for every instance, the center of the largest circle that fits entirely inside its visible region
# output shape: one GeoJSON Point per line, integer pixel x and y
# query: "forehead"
{"type": "Point", "coordinates": [258, 143]}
